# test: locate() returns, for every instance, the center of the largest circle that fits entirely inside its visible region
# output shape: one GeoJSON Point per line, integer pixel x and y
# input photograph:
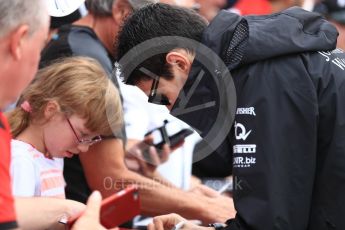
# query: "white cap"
{"type": "Point", "coordinates": [61, 8]}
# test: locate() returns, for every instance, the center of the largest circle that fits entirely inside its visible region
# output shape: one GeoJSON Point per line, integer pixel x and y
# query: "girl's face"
{"type": "Point", "coordinates": [65, 136]}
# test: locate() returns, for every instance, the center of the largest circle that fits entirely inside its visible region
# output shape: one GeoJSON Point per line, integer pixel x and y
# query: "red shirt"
{"type": "Point", "coordinates": [7, 213]}
{"type": "Point", "coordinates": [257, 7]}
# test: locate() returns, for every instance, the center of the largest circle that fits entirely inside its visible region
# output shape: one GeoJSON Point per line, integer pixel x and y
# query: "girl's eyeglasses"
{"type": "Point", "coordinates": [83, 141]}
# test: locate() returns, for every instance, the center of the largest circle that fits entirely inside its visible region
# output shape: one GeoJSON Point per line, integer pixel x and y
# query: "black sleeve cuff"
{"type": "Point", "coordinates": [8, 225]}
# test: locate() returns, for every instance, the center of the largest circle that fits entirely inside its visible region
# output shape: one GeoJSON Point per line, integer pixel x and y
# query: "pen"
{"type": "Point", "coordinates": [224, 187]}
{"type": "Point", "coordinates": [178, 225]}
{"type": "Point", "coordinates": [63, 219]}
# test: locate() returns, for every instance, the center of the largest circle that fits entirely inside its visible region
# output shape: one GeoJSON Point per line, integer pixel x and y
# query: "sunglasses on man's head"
{"type": "Point", "coordinates": [155, 97]}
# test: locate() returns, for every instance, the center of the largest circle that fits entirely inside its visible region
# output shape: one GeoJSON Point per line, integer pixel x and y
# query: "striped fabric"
{"type": "Point", "coordinates": [35, 175]}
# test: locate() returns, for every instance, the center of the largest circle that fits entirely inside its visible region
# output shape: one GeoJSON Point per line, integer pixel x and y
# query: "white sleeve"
{"type": "Point", "coordinates": [135, 112]}
{"type": "Point", "coordinates": [23, 176]}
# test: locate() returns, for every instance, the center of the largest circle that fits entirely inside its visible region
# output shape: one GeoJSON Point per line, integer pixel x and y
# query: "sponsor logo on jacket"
{"type": "Point", "coordinates": [247, 111]}
{"type": "Point", "coordinates": [244, 162]}
{"type": "Point", "coordinates": [335, 59]}
{"type": "Point", "coordinates": [244, 154]}
{"type": "Point", "coordinates": [241, 132]}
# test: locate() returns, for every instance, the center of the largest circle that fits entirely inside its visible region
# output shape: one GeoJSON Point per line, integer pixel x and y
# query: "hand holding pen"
{"type": "Point", "coordinates": [174, 222]}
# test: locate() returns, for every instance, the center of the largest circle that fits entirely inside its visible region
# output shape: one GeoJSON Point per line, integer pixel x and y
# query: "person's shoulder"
{"type": "Point", "coordinates": [313, 61]}
{"type": "Point", "coordinates": [326, 65]}
{"type": "Point", "coordinates": [84, 42]}
{"type": "Point", "coordinates": [24, 150]}
{"type": "Point", "coordinates": [82, 39]}
{"type": "Point", "coordinates": [333, 58]}
{"type": "Point", "coordinates": [69, 36]}
{"type": "Point", "coordinates": [80, 31]}
{"type": "Point", "coordinates": [57, 47]}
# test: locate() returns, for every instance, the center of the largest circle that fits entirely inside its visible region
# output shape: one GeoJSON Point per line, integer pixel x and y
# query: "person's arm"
{"type": "Point", "coordinates": [105, 171]}
{"type": "Point", "coordinates": [44, 213]}
{"type": "Point", "coordinates": [23, 175]}
{"type": "Point", "coordinates": [7, 210]}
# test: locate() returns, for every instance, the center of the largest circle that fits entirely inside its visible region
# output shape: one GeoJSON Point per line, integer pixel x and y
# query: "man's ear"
{"type": "Point", "coordinates": [179, 59]}
{"type": "Point", "coordinates": [51, 108]}
{"type": "Point", "coordinates": [17, 38]}
{"type": "Point", "coordinates": [120, 11]}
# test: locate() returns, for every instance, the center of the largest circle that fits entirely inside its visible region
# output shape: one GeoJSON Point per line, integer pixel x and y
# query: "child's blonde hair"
{"type": "Point", "coordinates": [80, 86]}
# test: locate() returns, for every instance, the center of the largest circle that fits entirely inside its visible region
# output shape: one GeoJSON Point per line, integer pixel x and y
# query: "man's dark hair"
{"type": "Point", "coordinates": [152, 21]}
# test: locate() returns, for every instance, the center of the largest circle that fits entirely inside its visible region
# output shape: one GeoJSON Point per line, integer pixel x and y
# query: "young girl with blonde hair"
{"type": "Point", "coordinates": [69, 106]}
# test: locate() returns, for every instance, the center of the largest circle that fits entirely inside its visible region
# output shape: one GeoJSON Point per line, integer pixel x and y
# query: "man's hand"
{"type": "Point", "coordinates": [219, 209]}
{"type": "Point", "coordinates": [144, 158]}
{"type": "Point", "coordinates": [167, 222]}
{"type": "Point", "coordinates": [222, 203]}
{"type": "Point", "coordinates": [90, 218]}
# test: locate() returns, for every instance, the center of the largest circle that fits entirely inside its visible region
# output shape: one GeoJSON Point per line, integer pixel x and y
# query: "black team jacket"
{"type": "Point", "coordinates": [287, 143]}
